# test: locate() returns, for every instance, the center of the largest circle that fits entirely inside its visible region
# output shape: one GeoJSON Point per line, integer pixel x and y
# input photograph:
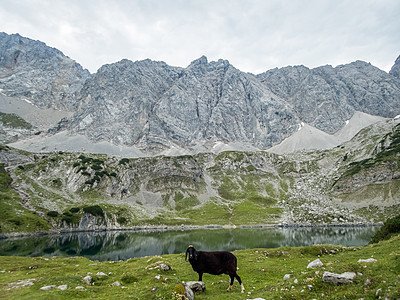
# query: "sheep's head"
{"type": "Point", "coordinates": [192, 253]}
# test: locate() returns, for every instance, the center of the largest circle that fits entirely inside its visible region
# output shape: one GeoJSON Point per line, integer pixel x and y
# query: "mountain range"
{"type": "Point", "coordinates": [144, 143]}
{"type": "Point", "coordinates": [148, 107]}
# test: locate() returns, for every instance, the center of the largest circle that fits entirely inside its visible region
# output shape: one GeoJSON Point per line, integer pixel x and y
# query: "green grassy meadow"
{"type": "Point", "coordinates": [262, 272]}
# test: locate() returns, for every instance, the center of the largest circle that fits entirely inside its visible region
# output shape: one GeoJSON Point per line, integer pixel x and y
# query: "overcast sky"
{"type": "Point", "coordinates": [253, 35]}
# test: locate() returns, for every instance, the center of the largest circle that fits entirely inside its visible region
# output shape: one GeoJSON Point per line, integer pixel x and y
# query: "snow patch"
{"type": "Point", "coordinates": [28, 101]}
{"type": "Point", "coordinates": [308, 137]}
{"type": "Point", "coordinates": [396, 117]}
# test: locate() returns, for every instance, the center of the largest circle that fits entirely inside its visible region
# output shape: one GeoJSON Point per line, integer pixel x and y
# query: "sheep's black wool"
{"type": "Point", "coordinates": [215, 263]}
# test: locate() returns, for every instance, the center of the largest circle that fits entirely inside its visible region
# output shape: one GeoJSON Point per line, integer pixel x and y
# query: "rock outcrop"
{"type": "Point", "coordinates": [325, 97]}
{"type": "Point", "coordinates": [43, 75]}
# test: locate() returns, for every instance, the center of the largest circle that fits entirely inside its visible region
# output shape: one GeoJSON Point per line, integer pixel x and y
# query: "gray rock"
{"type": "Point", "coordinates": [188, 292]}
{"type": "Point", "coordinates": [62, 287]}
{"type": "Point", "coordinates": [117, 283]}
{"type": "Point", "coordinates": [368, 260]}
{"type": "Point", "coordinates": [47, 287]}
{"type": "Point", "coordinates": [315, 263]}
{"type": "Point", "coordinates": [346, 277]}
{"type": "Point", "coordinates": [196, 286]}
{"type": "Point", "coordinates": [286, 277]}
{"type": "Point", "coordinates": [101, 274]}
{"type": "Point", "coordinates": [80, 288]}
{"type": "Point", "coordinates": [88, 280]}
{"type": "Point", "coordinates": [165, 267]}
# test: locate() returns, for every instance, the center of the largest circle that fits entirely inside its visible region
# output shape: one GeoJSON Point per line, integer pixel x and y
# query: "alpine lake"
{"type": "Point", "coordinates": [122, 245]}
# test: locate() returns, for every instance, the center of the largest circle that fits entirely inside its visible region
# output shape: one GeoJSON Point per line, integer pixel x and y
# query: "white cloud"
{"type": "Point", "coordinates": [253, 35]}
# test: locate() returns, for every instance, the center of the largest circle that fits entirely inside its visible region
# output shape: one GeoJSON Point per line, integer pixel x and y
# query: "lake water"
{"type": "Point", "coordinates": [122, 245]}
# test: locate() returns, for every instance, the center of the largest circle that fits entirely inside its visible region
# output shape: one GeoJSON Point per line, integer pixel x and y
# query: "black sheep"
{"type": "Point", "coordinates": [215, 263]}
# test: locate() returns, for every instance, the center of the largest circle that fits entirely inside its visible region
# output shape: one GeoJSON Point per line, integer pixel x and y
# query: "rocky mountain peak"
{"type": "Point", "coordinates": [395, 70]}
{"type": "Point", "coordinates": [34, 71]}
{"type": "Point", "coordinates": [201, 61]}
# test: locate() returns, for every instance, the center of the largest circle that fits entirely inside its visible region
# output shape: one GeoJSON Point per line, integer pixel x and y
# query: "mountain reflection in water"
{"type": "Point", "coordinates": [122, 245]}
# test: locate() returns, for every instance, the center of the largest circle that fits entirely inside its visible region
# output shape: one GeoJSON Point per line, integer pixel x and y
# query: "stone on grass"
{"type": "Point", "coordinates": [47, 287]}
{"type": "Point", "coordinates": [182, 290]}
{"type": "Point", "coordinates": [165, 267]}
{"type": "Point", "coordinates": [315, 263]}
{"type": "Point", "coordinates": [87, 280]}
{"type": "Point", "coordinates": [368, 260]}
{"type": "Point", "coordinates": [80, 288]}
{"type": "Point", "coordinates": [62, 287]}
{"type": "Point", "coordinates": [101, 274]}
{"type": "Point", "coordinates": [196, 286]}
{"type": "Point", "coordinates": [22, 283]}
{"type": "Point", "coordinates": [286, 277]}
{"type": "Point", "coordinates": [346, 277]}
{"type": "Point", "coordinates": [117, 283]}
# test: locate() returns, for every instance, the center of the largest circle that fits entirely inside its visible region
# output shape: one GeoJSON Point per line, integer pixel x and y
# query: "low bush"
{"type": "Point", "coordinates": [52, 214]}
{"type": "Point", "coordinates": [75, 210]}
{"type": "Point", "coordinates": [390, 227]}
{"type": "Point", "coordinates": [121, 220]}
{"type": "Point", "coordinates": [94, 210]}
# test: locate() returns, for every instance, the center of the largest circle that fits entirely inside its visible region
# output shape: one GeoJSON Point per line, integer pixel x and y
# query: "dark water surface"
{"type": "Point", "coordinates": [122, 245]}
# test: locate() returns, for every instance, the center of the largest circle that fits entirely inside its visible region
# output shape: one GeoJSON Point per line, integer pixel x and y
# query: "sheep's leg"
{"type": "Point", "coordinates": [200, 276]}
{"type": "Point", "coordinates": [230, 286]}
{"type": "Point", "coordinates": [240, 282]}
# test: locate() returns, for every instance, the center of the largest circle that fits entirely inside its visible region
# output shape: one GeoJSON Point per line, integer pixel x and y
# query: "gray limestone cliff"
{"type": "Point", "coordinates": [325, 97]}
{"type": "Point", "coordinates": [395, 70]}
{"type": "Point", "coordinates": [43, 75]}
{"type": "Point", "coordinates": [153, 107]}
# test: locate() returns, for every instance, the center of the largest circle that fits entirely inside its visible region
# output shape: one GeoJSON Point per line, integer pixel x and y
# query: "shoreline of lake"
{"type": "Point", "coordinates": [161, 228]}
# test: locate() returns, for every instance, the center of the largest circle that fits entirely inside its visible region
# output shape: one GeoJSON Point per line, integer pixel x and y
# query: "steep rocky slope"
{"type": "Point", "coordinates": [153, 106]}
{"type": "Point", "coordinates": [325, 97]}
{"type": "Point", "coordinates": [41, 74]}
{"type": "Point", "coordinates": [156, 108]}
{"type": "Point", "coordinates": [231, 188]}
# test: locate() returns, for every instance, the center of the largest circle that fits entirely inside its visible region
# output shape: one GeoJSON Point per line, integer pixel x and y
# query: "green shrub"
{"type": "Point", "coordinates": [390, 227]}
{"type": "Point", "coordinates": [52, 214]}
{"type": "Point", "coordinates": [75, 210]}
{"type": "Point", "coordinates": [96, 167]}
{"type": "Point", "coordinates": [94, 210]}
{"type": "Point", "coordinates": [70, 218]}
{"type": "Point", "coordinates": [121, 220]}
{"type": "Point", "coordinates": [124, 161]}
